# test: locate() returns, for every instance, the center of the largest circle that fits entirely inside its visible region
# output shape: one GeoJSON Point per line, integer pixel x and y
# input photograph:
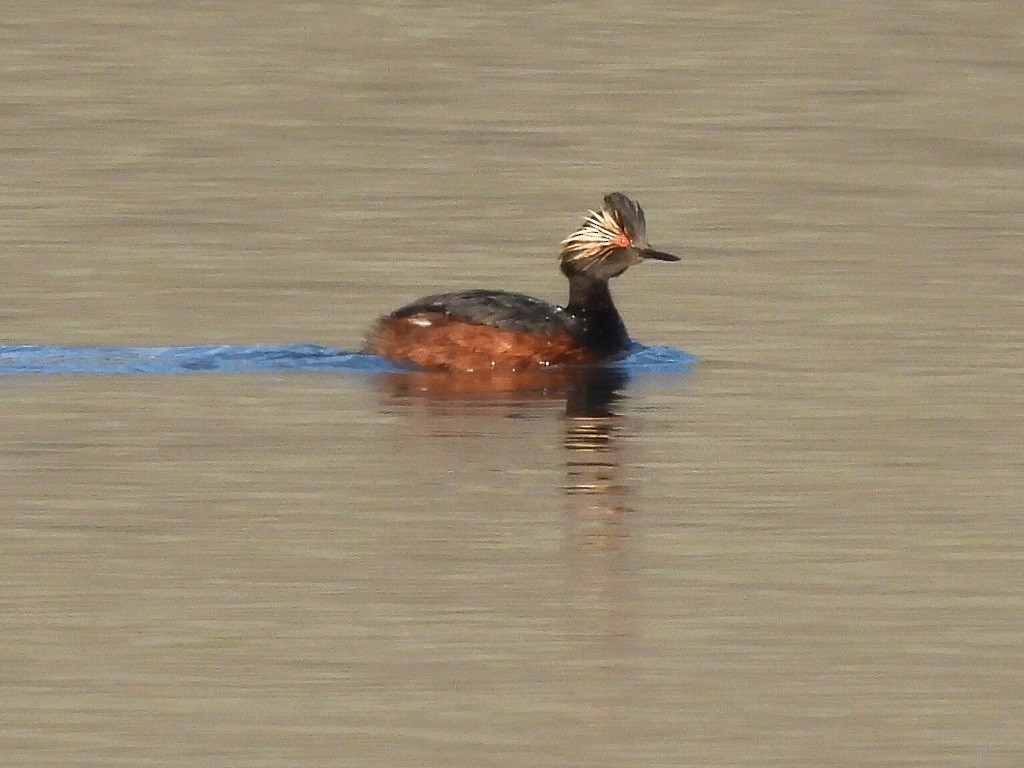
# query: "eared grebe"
{"type": "Point", "coordinates": [497, 330]}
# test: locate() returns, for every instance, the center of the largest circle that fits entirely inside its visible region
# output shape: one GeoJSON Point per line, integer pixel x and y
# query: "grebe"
{"type": "Point", "coordinates": [497, 330]}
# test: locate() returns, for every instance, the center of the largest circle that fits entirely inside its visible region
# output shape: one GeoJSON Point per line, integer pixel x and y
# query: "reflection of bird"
{"type": "Point", "coordinates": [488, 330]}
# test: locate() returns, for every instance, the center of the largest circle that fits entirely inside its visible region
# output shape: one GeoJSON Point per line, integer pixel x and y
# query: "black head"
{"type": "Point", "coordinates": [609, 241]}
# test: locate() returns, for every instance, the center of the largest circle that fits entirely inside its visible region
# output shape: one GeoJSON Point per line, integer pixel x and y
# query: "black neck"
{"type": "Point", "coordinates": [601, 327]}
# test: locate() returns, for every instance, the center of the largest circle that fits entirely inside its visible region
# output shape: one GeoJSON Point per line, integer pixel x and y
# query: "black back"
{"type": "Point", "coordinates": [498, 309]}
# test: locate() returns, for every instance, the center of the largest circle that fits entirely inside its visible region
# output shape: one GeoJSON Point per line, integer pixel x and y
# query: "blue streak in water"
{"type": "Point", "coordinates": [251, 358]}
{"type": "Point", "coordinates": [243, 358]}
{"type": "Point", "coordinates": [643, 359]}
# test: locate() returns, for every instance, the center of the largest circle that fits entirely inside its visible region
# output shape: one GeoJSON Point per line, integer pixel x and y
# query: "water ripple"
{"type": "Point", "coordinates": [250, 358]}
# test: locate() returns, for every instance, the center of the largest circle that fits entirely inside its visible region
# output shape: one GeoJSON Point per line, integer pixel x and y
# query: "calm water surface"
{"type": "Point", "coordinates": [806, 551]}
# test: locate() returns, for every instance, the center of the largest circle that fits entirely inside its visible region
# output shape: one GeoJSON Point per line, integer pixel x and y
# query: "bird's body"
{"type": "Point", "coordinates": [491, 329]}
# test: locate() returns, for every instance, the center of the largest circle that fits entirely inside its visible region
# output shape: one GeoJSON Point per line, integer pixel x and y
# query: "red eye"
{"type": "Point", "coordinates": [621, 241]}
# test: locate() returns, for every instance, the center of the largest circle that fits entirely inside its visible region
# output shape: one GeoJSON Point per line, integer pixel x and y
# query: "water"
{"type": "Point", "coordinates": [254, 358]}
{"type": "Point", "coordinates": [803, 549]}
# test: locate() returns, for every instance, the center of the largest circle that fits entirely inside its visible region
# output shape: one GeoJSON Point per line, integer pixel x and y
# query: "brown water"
{"type": "Point", "coordinates": [806, 553]}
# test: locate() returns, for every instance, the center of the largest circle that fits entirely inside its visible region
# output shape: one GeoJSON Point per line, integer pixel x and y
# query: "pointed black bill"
{"type": "Point", "coordinates": [650, 253]}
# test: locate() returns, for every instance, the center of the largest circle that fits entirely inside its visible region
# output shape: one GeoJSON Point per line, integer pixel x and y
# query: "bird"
{"type": "Point", "coordinates": [496, 330]}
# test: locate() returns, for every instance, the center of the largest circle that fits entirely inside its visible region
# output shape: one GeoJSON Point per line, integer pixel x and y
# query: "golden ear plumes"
{"type": "Point", "coordinates": [596, 238]}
